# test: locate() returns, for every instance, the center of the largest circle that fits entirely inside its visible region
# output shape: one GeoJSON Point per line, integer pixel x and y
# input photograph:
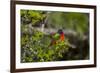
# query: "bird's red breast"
{"type": "Point", "coordinates": [62, 37]}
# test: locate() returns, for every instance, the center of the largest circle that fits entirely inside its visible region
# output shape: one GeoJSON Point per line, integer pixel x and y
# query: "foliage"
{"type": "Point", "coordinates": [31, 16]}
{"type": "Point", "coordinates": [36, 48]}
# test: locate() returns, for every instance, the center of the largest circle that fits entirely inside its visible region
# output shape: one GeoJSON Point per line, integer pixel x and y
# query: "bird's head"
{"type": "Point", "coordinates": [60, 31]}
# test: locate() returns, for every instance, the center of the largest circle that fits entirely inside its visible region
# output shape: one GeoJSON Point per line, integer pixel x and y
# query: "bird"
{"type": "Point", "coordinates": [58, 36]}
{"type": "Point", "coordinates": [61, 33]}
